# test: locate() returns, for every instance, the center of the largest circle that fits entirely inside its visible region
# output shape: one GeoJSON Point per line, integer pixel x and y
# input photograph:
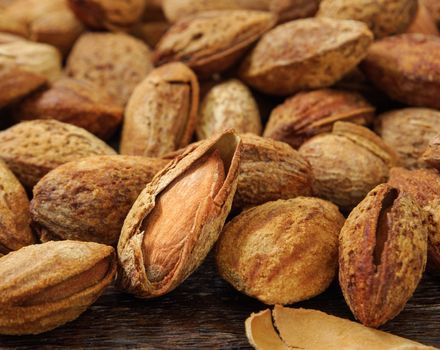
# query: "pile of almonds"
{"type": "Point", "coordinates": [311, 127]}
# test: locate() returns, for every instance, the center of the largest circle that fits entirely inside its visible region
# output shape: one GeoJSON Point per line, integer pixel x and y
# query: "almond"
{"type": "Point", "coordinates": [432, 154]}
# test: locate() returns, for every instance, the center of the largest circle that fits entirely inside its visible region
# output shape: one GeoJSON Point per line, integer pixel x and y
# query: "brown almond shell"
{"type": "Point", "coordinates": [88, 199]}
{"type": "Point", "coordinates": [31, 272]}
{"type": "Point", "coordinates": [381, 264]}
{"type": "Point", "coordinates": [432, 154]}
{"type": "Point", "coordinates": [161, 114]}
{"type": "Point", "coordinates": [132, 276]}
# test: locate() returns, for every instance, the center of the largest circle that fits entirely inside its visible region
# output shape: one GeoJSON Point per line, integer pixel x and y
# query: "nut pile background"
{"type": "Point", "coordinates": [298, 139]}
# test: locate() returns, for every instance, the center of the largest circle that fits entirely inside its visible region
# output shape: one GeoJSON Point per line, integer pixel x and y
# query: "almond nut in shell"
{"type": "Point", "coordinates": [178, 217]}
{"type": "Point", "coordinates": [382, 254]}
{"type": "Point", "coordinates": [44, 286]}
{"type": "Point", "coordinates": [88, 199]}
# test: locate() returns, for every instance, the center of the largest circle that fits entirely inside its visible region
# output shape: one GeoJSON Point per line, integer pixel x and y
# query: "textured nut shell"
{"type": "Point", "coordinates": [161, 114]}
{"type": "Point", "coordinates": [305, 54]}
{"type": "Point", "coordinates": [15, 83]}
{"type": "Point", "coordinates": [15, 231]}
{"type": "Point", "coordinates": [407, 68]}
{"type": "Point", "coordinates": [383, 17]}
{"type": "Point", "coordinates": [88, 199]}
{"type": "Point", "coordinates": [207, 226]}
{"type": "Point", "coordinates": [114, 62]}
{"type": "Point", "coordinates": [347, 164]}
{"type": "Point", "coordinates": [76, 102]}
{"type": "Point", "coordinates": [310, 113]}
{"type": "Point", "coordinates": [210, 42]}
{"type": "Point", "coordinates": [424, 186]}
{"type": "Point", "coordinates": [175, 10]}
{"type": "Point", "coordinates": [312, 329]}
{"type": "Point", "coordinates": [423, 22]}
{"type": "Point", "coordinates": [281, 252]}
{"type": "Point", "coordinates": [36, 268]}
{"type": "Point", "coordinates": [270, 170]}
{"type": "Point", "coordinates": [38, 58]}
{"type": "Point", "coordinates": [31, 149]}
{"type": "Point", "coordinates": [228, 105]}
{"type": "Point", "coordinates": [432, 154]}
{"type": "Point", "coordinates": [377, 292]}
{"type": "Point", "coordinates": [409, 132]}
{"type": "Point", "coordinates": [287, 10]}
{"type": "Point", "coordinates": [110, 14]}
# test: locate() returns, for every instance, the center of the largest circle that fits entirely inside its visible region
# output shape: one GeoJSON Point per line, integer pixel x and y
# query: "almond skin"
{"type": "Point", "coordinates": [310, 113]}
{"type": "Point", "coordinates": [408, 131]}
{"type": "Point", "coordinates": [382, 254]}
{"type": "Point", "coordinates": [305, 54]}
{"type": "Point", "coordinates": [212, 41]}
{"type": "Point", "coordinates": [15, 220]}
{"type": "Point", "coordinates": [178, 217]}
{"type": "Point", "coordinates": [115, 62]}
{"type": "Point", "coordinates": [407, 68]}
{"type": "Point", "coordinates": [383, 17]}
{"type": "Point", "coordinates": [161, 114]}
{"type": "Point", "coordinates": [88, 199]}
{"type": "Point", "coordinates": [424, 187]}
{"type": "Point", "coordinates": [228, 105]}
{"type": "Point", "coordinates": [31, 149]}
{"type": "Point", "coordinates": [281, 252]}
{"type": "Point", "coordinates": [76, 102]}
{"type": "Point", "coordinates": [46, 285]}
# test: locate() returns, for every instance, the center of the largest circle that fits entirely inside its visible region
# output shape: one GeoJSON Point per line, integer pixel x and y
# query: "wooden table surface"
{"type": "Point", "coordinates": [206, 313]}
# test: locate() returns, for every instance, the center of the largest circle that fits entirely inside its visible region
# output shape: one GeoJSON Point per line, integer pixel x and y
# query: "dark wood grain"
{"type": "Point", "coordinates": [206, 313]}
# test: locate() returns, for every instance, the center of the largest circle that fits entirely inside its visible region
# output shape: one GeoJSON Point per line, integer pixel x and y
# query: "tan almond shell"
{"type": "Point", "coordinates": [132, 276]}
{"type": "Point", "coordinates": [383, 17]}
{"type": "Point", "coordinates": [348, 163]}
{"type": "Point", "coordinates": [37, 58]}
{"type": "Point", "coordinates": [313, 329]}
{"type": "Point", "coordinates": [16, 83]}
{"type": "Point", "coordinates": [424, 186]}
{"type": "Point", "coordinates": [12, 25]}
{"type": "Point", "coordinates": [210, 42]}
{"type": "Point", "coordinates": [305, 54]}
{"type": "Point", "coordinates": [31, 149]}
{"type": "Point", "coordinates": [423, 22]}
{"type": "Point", "coordinates": [108, 14]}
{"type": "Point", "coordinates": [310, 113]}
{"type": "Point", "coordinates": [376, 293]}
{"type": "Point", "coordinates": [228, 105]}
{"type": "Point", "coordinates": [115, 62]}
{"type": "Point", "coordinates": [407, 68]}
{"type": "Point", "coordinates": [287, 10]}
{"type": "Point", "coordinates": [432, 154]}
{"type": "Point", "coordinates": [88, 199]}
{"type": "Point", "coordinates": [15, 219]}
{"type": "Point", "coordinates": [76, 102]}
{"type": "Point", "coordinates": [408, 131]}
{"type": "Point", "coordinates": [157, 119]}
{"type": "Point", "coordinates": [281, 252]}
{"type": "Point", "coordinates": [32, 269]}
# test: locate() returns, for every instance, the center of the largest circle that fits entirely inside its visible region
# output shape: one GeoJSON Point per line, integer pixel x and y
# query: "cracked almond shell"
{"type": "Point", "coordinates": [161, 114]}
{"type": "Point", "coordinates": [307, 114]}
{"type": "Point", "coordinates": [88, 199]}
{"type": "Point", "coordinates": [178, 217]}
{"type": "Point", "coordinates": [305, 54]}
{"type": "Point", "coordinates": [383, 17]}
{"type": "Point", "coordinates": [432, 154]}
{"type": "Point", "coordinates": [76, 102]}
{"type": "Point", "coordinates": [210, 42]}
{"type": "Point", "coordinates": [382, 254]}
{"type": "Point", "coordinates": [15, 219]}
{"type": "Point", "coordinates": [228, 105]}
{"type": "Point", "coordinates": [408, 131]}
{"type": "Point", "coordinates": [424, 187]}
{"type": "Point", "coordinates": [115, 62]}
{"type": "Point", "coordinates": [44, 286]}
{"type": "Point", "coordinates": [281, 252]}
{"type": "Point", "coordinates": [31, 149]}
{"type": "Point", "coordinates": [407, 68]}
{"type": "Point", "coordinates": [348, 163]}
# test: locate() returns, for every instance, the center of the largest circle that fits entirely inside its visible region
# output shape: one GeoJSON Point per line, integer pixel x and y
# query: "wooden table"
{"type": "Point", "coordinates": [206, 313]}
